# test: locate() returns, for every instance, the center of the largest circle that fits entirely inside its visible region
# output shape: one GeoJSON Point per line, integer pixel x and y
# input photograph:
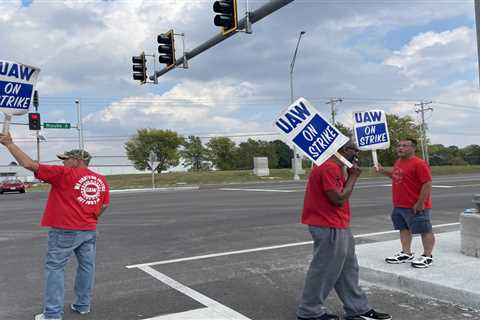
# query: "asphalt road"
{"type": "Point", "coordinates": [146, 229]}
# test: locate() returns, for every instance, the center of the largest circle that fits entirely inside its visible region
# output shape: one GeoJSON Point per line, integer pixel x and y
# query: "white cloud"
{"type": "Point", "coordinates": [431, 55]}
{"type": "Point", "coordinates": [187, 106]}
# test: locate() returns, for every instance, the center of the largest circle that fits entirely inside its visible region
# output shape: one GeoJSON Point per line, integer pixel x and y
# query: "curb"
{"type": "Point", "coordinates": [418, 287]}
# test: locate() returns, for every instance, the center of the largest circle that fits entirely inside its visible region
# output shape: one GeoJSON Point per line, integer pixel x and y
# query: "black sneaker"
{"type": "Point", "coordinates": [400, 257]}
{"type": "Point", "coordinates": [371, 315]}
{"type": "Point", "coordinates": [422, 262]}
{"type": "Point", "coordinates": [325, 316]}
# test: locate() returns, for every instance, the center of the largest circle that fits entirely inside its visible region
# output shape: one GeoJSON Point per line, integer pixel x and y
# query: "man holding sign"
{"type": "Point", "coordinates": [327, 213]}
{"type": "Point", "coordinates": [77, 198]}
{"type": "Point", "coordinates": [411, 188]}
{"type": "Point", "coordinates": [334, 265]}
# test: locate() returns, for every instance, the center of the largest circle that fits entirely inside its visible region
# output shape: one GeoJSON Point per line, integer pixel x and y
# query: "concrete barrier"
{"type": "Point", "coordinates": [260, 166]}
{"type": "Point", "coordinates": [470, 229]}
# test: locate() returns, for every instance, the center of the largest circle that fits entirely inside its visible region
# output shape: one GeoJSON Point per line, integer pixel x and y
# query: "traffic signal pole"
{"type": "Point", "coordinates": [254, 16]}
{"type": "Point", "coordinates": [35, 104]}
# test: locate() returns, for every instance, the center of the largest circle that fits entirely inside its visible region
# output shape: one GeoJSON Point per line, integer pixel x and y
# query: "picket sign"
{"type": "Point", "coordinates": [17, 84]}
{"type": "Point", "coordinates": [371, 132]}
{"type": "Point", "coordinates": [316, 138]}
{"type": "Point", "coordinates": [6, 123]}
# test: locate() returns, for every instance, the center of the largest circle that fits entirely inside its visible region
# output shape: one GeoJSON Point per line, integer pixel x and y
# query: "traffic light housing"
{"type": "Point", "coordinates": [227, 15]}
{"type": "Point", "coordinates": [166, 49]}
{"type": "Point", "coordinates": [34, 121]}
{"type": "Point", "coordinates": [140, 68]}
{"type": "Point", "coordinates": [35, 99]}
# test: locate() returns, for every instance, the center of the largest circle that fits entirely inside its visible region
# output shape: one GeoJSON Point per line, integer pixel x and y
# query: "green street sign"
{"type": "Point", "coordinates": [53, 125]}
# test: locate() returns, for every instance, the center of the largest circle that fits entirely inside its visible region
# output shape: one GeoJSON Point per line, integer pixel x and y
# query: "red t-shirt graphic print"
{"type": "Point", "coordinates": [75, 199]}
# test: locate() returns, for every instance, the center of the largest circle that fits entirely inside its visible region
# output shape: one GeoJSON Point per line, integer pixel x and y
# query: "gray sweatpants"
{"type": "Point", "coordinates": [334, 265]}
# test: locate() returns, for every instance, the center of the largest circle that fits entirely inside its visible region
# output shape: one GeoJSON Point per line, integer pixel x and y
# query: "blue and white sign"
{"type": "Point", "coordinates": [17, 83]}
{"type": "Point", "coordinates": [371, 130]}
{"type": "Point", "coordinates": [303, 126]}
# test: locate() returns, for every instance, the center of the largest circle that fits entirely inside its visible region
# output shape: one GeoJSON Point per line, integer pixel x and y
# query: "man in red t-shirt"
{"type": "Point", "coordinates": [326, 211]}
{"type": "Point", "coordinates": [77, 198]}
{"type": "Point", "coordinates": [411, 188]}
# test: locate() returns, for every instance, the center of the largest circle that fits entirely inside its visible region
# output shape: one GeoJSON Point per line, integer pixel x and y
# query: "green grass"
{"type": "Point", "coordinates": [234, 176]}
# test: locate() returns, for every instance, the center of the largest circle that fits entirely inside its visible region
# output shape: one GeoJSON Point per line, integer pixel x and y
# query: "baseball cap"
{"type": "Point", "coordinates": [75, 154]}
{"type": "Point", "coordinates": [351, 144]}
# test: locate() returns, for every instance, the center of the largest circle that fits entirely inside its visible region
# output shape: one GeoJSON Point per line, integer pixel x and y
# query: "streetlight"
{"type": "Point", "coordinates": [292, 65]}
{"type": "Point", "coordinates": [79, 124]}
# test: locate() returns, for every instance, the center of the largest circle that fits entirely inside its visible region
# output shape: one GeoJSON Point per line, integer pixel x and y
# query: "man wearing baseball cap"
{"type": "Point", "coordinates": [77, 198]}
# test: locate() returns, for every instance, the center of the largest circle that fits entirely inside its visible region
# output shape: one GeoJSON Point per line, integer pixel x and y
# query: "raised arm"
{"type": "Point", "coordinates": [22, 158]}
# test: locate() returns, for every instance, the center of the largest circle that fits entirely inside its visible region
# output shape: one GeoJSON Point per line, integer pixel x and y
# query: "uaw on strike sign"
{"type": "Point", "coordinates": [371, 131]}
{"type": "Point", "coordinates": [303, 126]}
{"type": "Point", "coordinates": [17, 83]}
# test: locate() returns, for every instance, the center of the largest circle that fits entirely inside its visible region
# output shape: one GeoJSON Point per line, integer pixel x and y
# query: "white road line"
{"type": "Point", "coordinates": [303, 189]}
{"type": "Point", "coordinates": [154, 190]}
{"type": "Point", "coordinates": [214, 310]}
{"type": "Point", "coordinates": [213, 255]}
{"type": "Point", "coordinates": [468, 185]}
{"type": "Point", "coordinates": [295, 244]}
{"type": "Point", "coordinates": [255, 190]}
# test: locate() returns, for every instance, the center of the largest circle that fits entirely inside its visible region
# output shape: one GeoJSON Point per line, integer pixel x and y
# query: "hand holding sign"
{"type": "Point", "coordinates": [371, 131]}
{"type": "Point", "coordinates": [315, 136]}
{"type": "Point", "coordinates": [17, 83]}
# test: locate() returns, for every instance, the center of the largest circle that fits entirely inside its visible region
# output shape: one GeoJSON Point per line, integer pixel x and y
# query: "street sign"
{"type": "Point", "coordinates": [53, 125]}
{"type": "Point", "coordinates": [315, 136]}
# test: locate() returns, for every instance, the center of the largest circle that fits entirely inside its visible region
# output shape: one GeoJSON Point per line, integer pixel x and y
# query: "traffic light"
{"type": "Point", "coordinates": [166, 49]}
{"type": "Point", "coordinates": [227, 17]}
{"type": "Point", "coordinates": [35, 99]}
{"type": "Point", "coordinates": [140, 68]}
{"type": "Point", "coordinates": [34, 121]}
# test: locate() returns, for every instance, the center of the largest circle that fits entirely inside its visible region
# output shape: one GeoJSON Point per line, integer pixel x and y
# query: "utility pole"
{"type": "Point", "coordinates": [332, 103]}
{"type": "Point", "coordinates": [297, 163]}
{"type": "Point", "coordinates": [477, 23]}
{"type": "Point", "coordinates": [424, 143]}
{"type": "Point", "coordinates": [79, 125]}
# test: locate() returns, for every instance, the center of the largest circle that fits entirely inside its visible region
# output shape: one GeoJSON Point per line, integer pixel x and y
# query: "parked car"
{"type": "Point", "coordinates": [12, 185]}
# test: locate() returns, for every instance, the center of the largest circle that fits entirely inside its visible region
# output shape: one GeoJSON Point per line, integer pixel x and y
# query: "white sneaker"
{"type": "Point", "coordinates": [422, 262]}
{"type": "Point", "coordinates": [400, 257]}
{"type": "Point", "coordinates": [41, 316]}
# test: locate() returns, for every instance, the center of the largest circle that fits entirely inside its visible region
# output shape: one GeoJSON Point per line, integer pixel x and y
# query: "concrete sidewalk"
{"type": "Point", "coordinates": [454, 277]}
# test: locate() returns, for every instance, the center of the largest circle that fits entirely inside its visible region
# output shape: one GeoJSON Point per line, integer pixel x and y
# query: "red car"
{"type": "Point", "coordinates": [12, 185]}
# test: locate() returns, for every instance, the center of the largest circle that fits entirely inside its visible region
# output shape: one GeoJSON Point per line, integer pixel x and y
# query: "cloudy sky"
{"type": "Point", "coordinates": [373, 54]}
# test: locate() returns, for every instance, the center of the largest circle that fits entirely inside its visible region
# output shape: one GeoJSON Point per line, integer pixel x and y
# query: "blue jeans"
{"type": "Point", "coordinates": [61, 244]}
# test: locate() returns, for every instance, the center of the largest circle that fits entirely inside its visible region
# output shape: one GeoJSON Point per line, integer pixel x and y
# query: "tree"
{"type": "Point", "coordinates": [439, 155]}
{"type": "Point", "coordinates": [164, 143]}
{"type": "Point", "coordinates": [472, 154]}
{"type": "Point", "coordinates": [221, 152]}
{"type": "Point", "coordinates": [246, 151]}
{"type": "Point", "coordinates": [343, 129]}
{"type": "Point", "coordinates": [284, 154]}
{"type": "Point", "coordinates": [194, 154]}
